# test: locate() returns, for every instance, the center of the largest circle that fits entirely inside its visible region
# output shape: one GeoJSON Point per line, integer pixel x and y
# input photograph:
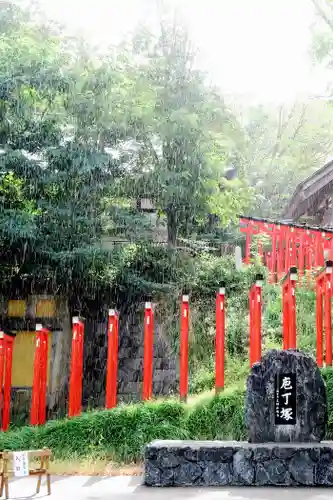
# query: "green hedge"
{"type": "Point", "coordinates": [122, 433]}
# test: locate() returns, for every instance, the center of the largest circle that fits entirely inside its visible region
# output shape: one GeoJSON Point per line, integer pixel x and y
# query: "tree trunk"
{"type": "Point", "coordinates": [172, 226]}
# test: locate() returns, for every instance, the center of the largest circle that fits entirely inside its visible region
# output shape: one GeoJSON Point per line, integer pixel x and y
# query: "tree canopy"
{"type": "Point", "coordinates": [84, 137]}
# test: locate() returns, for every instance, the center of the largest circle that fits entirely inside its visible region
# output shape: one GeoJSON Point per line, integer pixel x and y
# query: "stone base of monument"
{"type": "Point", "coordinates": [221, 463]}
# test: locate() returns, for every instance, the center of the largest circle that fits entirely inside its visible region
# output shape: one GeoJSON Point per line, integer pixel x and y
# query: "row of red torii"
{"type": "Point", "coordinates": [295, 251]}
{"type": "Point", "coordinates": [304, 247]}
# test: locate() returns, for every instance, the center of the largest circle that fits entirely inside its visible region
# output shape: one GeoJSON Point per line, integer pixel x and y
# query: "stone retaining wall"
{"type": "Point", "coordinates": [130, 361]}
{"type": "Point", "coordinates": [217, 463]}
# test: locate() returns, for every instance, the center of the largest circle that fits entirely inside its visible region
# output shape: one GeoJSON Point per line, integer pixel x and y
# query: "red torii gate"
{"type": "Point", "coordinates": [305, 247]}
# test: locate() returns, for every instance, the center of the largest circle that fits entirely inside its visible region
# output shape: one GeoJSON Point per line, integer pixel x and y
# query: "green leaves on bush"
{"type": "Point", "coordinates": [122, 433]}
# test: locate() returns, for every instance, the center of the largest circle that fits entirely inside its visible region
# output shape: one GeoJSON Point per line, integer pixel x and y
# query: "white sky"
{"type": "Point", "coordinates": [256, 49]}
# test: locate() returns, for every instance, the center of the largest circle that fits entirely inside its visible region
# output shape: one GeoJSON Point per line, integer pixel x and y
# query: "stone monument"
{"type": "Point", "coordinates": [286, 416]}
{"type": "Point", "coordinates": [285, 399]}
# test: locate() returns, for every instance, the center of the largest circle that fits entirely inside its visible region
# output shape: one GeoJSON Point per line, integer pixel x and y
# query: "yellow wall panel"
{"type": "Point", "coordinates": [16, 308]}
{"type": "Point", "coordinates": [46, 308]}
{"type": "Point", "coordinates": [23, 359]}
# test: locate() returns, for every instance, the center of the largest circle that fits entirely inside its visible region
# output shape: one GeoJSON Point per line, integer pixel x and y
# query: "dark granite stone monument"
{"type": "Point", "coordinates": [286, 416]}
{"type": "Point", "coordinates": [285, 399]}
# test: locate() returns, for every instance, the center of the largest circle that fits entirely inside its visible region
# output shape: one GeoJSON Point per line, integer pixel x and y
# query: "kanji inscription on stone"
{"type": "Point", "coordinates": [285, 399]}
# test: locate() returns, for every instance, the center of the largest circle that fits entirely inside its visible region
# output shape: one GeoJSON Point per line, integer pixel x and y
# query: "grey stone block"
{"type": "Point", "coordinates": [273, 472]}
{"type": "Point", "coordinates": [167, 459]}
{"type": "Point", "coordinates": [215, 454]}
{"type": "Point", "coordinates": [187, 475]}
{"type": "Point", "coordinates": [167, 376]}
{"type": "Point", "coordinates": [129, 387]}
{"type": "Point", "coordinates": [158, 388]}
{"type": "Point", "coordinates": [261, 454]}
{"type": "Point", "coordinates": [217, 474]}
{"type": "Point", "coordinates": [218, 463]}
{"type": "Point", "coordinates": [243, 467]}
{"type": "Point", "coordinates": [302, 468]}
{"type": "Point", "coordinates": [324, 470]}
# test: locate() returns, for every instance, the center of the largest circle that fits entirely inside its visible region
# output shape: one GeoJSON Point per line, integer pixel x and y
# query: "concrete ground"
{"type": "Point", "coordinates": [130, 488]}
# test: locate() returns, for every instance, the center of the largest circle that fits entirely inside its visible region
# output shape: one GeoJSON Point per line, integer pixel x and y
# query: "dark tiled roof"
{"type": "Point", "coordinates": [310, 192]}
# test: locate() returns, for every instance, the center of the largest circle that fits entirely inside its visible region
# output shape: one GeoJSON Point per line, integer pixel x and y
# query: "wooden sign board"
{"type": "Point", "coordinates": [20, 464]}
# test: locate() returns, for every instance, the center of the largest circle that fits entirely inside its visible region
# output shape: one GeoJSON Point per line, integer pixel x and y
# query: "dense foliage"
{"type": "Point", "coordinates": [84, 137]}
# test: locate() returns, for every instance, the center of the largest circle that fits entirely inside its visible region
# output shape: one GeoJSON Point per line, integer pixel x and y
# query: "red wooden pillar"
{"type": "Point", "coordinates": [6, 380]}
{"type": "Point", "coordinates": [73, 368]}
{"type": "Point", "coordinates": [274, 255]}
{"type": "Point", "coordinates": [184, 327]}
{"type": "Point", "coordinates": [292, 308]}
{"type": "Point", "coordinates": [285, 317]}
{"type": "Point", "coordinates": [76, 370]}
{"type": "Point", "coordinates": [255, 298]}
{"type": "Point", "coordinates": [220, 340]}
{"type": "Point", "coordinates": [301, 255]}
{"type": "Point", "coordinates": [318, 249]}
{"type": "Point", "coordinates": [2, 368]}
{"type": "Point", "coordinates": [281, 253]}
{"type": "Point", "coordinates": [112, 360]}
{"type": "Point", "coordinates": [289, 309]}
{"type": "Point", "coordinates": [248, 245]}
{"type": "Point", "coordinates": [147, 391]}
{"type": "Point", "coordinates": [34, 412]}
{"type": "Point", "coordinates": [319, 322]}
{"type": "Point", "coordinates": [38, 398]}
{"type": "Point", "coordinates": [324, 314]}
{"type": "Point", "coordinates": [251, 326]}
{"type": "Point", "coordinates": [80, 367]}
{"type": "Point", "coordinates": [293, 250]}
{"type": "Point", "coordinates": [43, 376]}
{"type": "Point", "coordinates": [331, 257]}
{"type": "Point", "coordinates": [287, 250]}
{"type": "Point", "coordinates": [309, 256]}
{"type": "Point", "coordinates": [258, 312]}
{"type": "Point", "coordinates": [247, 228]}
{"type": "Point", "coordinates": [328, 316]}
{"type": "Point", "coordinates": [321, 258]}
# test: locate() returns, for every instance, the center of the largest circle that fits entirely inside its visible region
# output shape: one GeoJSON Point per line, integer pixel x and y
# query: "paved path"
{"type": "Point", "coordinates": [129, 488]}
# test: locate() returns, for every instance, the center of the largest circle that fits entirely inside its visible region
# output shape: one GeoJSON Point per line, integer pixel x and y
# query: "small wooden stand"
{"type": "Point", "coordinates": [6, 459]}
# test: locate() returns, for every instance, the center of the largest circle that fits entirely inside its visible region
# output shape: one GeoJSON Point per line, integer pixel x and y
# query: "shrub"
{"type": "Point", "coordinates": [218, 417]}
{"type": "Point", "coordinates": [121, 434]}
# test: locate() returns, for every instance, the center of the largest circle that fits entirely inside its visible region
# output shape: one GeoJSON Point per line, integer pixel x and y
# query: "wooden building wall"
{"type": "Point", "coordinates": [20, 316]}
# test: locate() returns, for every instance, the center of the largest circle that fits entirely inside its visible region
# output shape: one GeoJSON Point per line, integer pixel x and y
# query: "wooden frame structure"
{"type": "Point", "coordinates": [6, 457]}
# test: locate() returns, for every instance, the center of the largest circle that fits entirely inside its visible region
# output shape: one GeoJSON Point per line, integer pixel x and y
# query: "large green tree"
{"type": "Point", "coordinates": [54, 175]}
{"type": "Point", "coordinates": [186, 136]}
{"type": "Point", "coordinates": [284, 145]}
